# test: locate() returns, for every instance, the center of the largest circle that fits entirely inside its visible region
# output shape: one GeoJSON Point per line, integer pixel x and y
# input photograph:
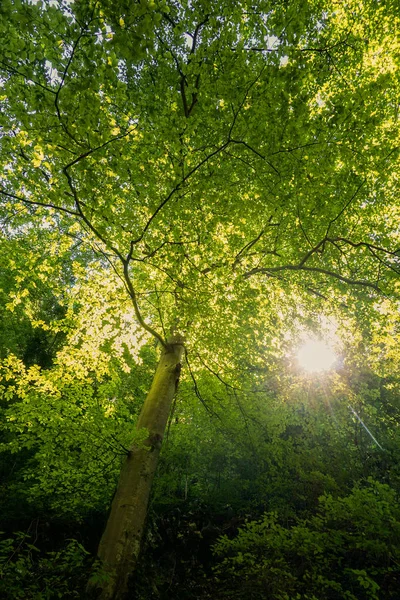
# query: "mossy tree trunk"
{"type": "Point", "coordinates": [120, 544]}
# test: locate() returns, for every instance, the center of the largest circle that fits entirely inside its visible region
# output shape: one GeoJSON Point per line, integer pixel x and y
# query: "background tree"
{"type": "Point", "coordinates": [227, 163]}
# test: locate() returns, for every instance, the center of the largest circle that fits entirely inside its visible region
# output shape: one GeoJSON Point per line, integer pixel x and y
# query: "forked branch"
{"type": "Point", "coordinates": [339, 243]}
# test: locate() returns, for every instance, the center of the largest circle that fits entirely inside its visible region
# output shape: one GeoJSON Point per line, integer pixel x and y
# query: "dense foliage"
{"type": "Point", "coordinates": [226, 170]}
{"type": "Point", "coordinates": [348, 549]}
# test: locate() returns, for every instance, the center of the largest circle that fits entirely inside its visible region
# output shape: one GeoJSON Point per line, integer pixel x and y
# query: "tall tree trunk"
{"type": "Point", "coordinates": [120, 544]}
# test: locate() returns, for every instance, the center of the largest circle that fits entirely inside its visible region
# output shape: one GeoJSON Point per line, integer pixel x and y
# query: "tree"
{"type": "Point", "coordinates": [228, 162]}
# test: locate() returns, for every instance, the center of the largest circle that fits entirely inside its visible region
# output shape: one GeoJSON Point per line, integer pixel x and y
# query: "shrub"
{"type": "Point", "coordinates": [349, 549]}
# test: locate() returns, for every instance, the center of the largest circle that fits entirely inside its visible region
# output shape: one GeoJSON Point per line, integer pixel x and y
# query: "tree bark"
{"type": "Point", "coordinates": [120, 544]}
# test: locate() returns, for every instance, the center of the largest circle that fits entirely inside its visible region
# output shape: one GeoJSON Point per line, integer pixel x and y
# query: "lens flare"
{"type": "Point", "coordinates": [315, 357]}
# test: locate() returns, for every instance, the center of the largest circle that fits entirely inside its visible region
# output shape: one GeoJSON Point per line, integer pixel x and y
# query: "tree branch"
{"type": "Point", "coordinates": [196, 389]}
{"type": "Point", "coordinates": [345, 207]}
{"type": "Point", "coordinates": [37, 203]}
{"type": "Point", "coordinates": [14, 71]}
{"type": "Point", "coordinates": [132, 294]}
{"type": "Point", "coordinates": [176, 189]}
{"type": "Point", "coordinates": [300, 267]}
{"type": "Point", "coordinates": [92, 150]}
{"type": "Point", "coordinates": [257, 153]}
{"type": "Point", "coordinates": [84, 218]}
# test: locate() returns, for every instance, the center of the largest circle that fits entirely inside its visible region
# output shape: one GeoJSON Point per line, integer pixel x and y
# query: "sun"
{"type": "Point", "coordinates": [316, 356]}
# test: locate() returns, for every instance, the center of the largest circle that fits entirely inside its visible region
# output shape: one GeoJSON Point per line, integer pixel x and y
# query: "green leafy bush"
{"type": "Point", "coordinates": [26, 573]}
{"type": "Point", "coordinates": [349, 549]}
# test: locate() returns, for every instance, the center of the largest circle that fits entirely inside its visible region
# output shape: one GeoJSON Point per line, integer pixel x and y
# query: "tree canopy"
{"type": "Point", "coordinates": [225, 172]}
